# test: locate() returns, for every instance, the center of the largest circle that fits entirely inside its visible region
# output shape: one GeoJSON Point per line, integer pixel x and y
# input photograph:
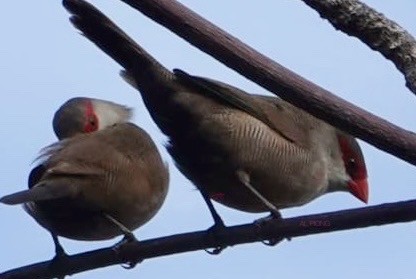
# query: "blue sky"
{"type": "Point", "coordinates": [45, 62]}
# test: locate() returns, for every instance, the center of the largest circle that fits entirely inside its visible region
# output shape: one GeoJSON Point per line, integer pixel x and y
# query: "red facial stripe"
{"type": "Point", "coordinates": [91, 123]}
{"type": "Point", "coordinates": [359, 172]}
{"type": "Point", "coordinates": [346, 149]}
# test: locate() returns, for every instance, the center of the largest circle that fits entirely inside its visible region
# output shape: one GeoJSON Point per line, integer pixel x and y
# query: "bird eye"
{"type": "Point", "coordinates": [351, 165]}
{"type": "Point", "coordinates": [92, 121]}
{"type": "Point", "coordinates": [91, 125]}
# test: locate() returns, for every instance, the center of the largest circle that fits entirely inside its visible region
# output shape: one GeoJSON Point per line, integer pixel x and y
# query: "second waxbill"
{"type": "Point", "coordinates": [106, 178]}
{"type": "Point", "coordinates": [247, 152]}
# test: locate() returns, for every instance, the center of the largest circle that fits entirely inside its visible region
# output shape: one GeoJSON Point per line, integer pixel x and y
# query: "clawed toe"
{"type": "Point", "coordinates": [128, 238]}
{"type": "Point", "coordinates": [272, 241]}
{"type": "Point", "coordinates": [60, 256]}
{"type": "Point", "coordinates": [275, 215]}
{"type": "Point", "coordinates": [215, 231]}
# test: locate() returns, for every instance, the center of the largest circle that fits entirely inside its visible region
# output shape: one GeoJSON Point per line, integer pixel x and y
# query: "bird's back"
{"type": "Point", "coordinates": [117, 171]}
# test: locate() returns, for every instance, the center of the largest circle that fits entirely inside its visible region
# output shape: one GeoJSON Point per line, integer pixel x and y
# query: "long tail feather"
{"type": "Point", "coordinates": [39, 193]}
{"type": "Point", "coordinates": [115, 42]}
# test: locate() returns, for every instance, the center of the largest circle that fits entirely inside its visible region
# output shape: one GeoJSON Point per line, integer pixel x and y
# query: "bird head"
{"type": "Point", "coordinates": [354, 166]}
{"type": "Point", "coordinates": [86, 115]}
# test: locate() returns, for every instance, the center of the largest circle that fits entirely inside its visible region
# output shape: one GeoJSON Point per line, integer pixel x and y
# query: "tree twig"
{"type": "Point", "coordinates": [287, 228]}
{"type": "Point", "coordinates": [389, 213]}
{"type": "Point", "coordinates": [375, 30]}
{"type": "Point", "coordinates": [276, 78]}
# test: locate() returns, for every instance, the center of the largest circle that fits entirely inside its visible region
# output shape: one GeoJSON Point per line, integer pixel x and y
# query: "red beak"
{"type": "Point", "coordinates": [359, 189]}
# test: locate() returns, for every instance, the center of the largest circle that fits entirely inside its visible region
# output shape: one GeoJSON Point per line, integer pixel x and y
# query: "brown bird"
{"type": "Point", "coordinates": [105, 179]}
{"type": "Point", "coordinates": [251, 153]}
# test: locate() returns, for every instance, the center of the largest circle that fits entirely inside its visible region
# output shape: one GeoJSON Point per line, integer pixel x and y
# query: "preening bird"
{"type": "Point", "coordinates": [252, 153]}
{"type": "Point", "coordinates": [103, 179]}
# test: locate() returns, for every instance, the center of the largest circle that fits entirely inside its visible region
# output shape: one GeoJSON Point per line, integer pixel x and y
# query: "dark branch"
{"type": "Point", "coordinates": [274, 77]}
{"type": "Point", "coordinates": [180, 243]}
{"type": "Point", "coordinates": [375, 30]}
{"type": "Point", "coordinates": [295, 89]}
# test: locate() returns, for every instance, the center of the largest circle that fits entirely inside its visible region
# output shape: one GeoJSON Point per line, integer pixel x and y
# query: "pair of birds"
{"type": "Point", "coordinates": [249, 152]}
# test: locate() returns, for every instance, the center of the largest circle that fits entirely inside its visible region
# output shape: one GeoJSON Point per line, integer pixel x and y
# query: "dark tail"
{"type": "Point", "coordinates": [40, 193]}
{"type": "Point", "coordinates": [140, 66]}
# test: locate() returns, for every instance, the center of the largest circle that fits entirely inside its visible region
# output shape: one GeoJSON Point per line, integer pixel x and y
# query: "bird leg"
{"type": "Point", "coordinates": [218, 224]}
{"type": "Point", "coordinates": [128, 238]}
{"type": "Point", "coordinates": [128, 235]}
{"type": "Point", "coordinates": [59, 254]}
{"type": "Point", "coordinates": [245, 179]}
{"type": "Point", "coordinates": [274, 213]}
{"type": "Point", "coordinates": [59, 250]}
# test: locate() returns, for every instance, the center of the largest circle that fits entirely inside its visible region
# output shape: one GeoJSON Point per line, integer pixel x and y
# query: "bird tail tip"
{"type": "Point", "coordinates": [16, 198]}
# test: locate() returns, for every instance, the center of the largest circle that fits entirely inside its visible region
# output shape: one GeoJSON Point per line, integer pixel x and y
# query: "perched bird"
{"type": "Point", "coordinates": [104, 179]}
{"type": "Point", "coordinates": [252, 153]}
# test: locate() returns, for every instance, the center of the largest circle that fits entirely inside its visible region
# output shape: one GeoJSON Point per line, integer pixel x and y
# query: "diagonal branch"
{"type": "Point", "coordinates": [274, 77]}
{"type": "Point", "coordinates": [296, 90]}
{"type": "Point", "coordinates": [389, 213]}
{"type": "Point", "coordinates": [375, 30]}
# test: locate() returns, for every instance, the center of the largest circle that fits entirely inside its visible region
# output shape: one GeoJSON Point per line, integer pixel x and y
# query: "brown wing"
{"type": "Point", "coordinates": [123, 149]}
{"type": "Point", "coordinates": [288, 121]}
{"type": "Point", "coordinates": [52, 178]}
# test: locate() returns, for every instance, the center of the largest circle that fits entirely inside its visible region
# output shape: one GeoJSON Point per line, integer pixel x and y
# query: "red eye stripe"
{"type": "Point", "coordinates": [352, 157]}
{"type": "Point", "coordinates": [345, 147]}
{"type": "Point", "coordinates": [91, 123]}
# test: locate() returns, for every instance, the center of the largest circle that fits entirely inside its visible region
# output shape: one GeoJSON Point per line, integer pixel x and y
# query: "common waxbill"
{"type": "Point", "coordinates": [248, 152]}
{"type": "Point", "coordinates": [106, 178]}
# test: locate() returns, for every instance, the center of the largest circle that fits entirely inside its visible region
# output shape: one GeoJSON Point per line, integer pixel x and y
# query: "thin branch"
{"type": "Point", "coordinates": [286, 228]}
{"type": "Point", "coordinates": [276, 78]}
{"type": "Point", "coordinates": [404, 211]}
{"type": "Point", "coordinates": [375, 30]}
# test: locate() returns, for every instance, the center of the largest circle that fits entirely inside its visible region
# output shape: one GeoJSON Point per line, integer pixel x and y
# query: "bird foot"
{"type": "Point", "coordinates": [60, 256]}
{"type": "Point", "coordinates": [275, 215]}
{"type": "Point", "coordinates": [128, 238]}
{"type": "Point", "coordinates": [215, 232]}
{"type": "Point", "coordinates": [59, 250]}
{"type": "Point", "coordinates": [58, 259]}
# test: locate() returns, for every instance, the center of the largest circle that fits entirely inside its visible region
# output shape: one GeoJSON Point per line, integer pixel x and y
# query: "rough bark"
{"type": "Point", "coordinates": [375, 30]}
{"type": "Point", "coordinates": [287, 228]}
